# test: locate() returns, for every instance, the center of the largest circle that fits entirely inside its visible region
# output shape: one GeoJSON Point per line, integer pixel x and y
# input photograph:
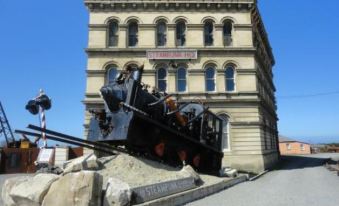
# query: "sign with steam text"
{"type": "Point", "coordinates": [172, 54]}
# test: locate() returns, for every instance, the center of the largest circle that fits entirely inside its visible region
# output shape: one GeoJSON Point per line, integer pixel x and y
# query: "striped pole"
{"type": "Point", "coordinates": [43, 121]}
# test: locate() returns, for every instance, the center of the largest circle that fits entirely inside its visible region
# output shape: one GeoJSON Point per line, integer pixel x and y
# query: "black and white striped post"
{"type": "Point", "coordinates": [42, 120]}
{"type": "Point", "coordinates": [39, 105]}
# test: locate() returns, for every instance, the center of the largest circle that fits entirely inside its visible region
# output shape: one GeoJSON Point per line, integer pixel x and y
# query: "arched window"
{"type": "Point", "coordinates": [112, 74]}
{"type": "Point", "coordinates": [208, 33]}
{"type": "Point", "coordinates": [227, 33]}
{"type": "Point", "coordinates": [225, 132]}
{"type": "Point", "coordinates": [180, 33]}
{"type": "Point", "coordinates": [229, 79]}
{"type": "Point", "coordinates": [210, 79]}
{"type": "Point", "coordinates": [162, 79]}
{"type": "Point", "coordinates": [181, 79]}
{"type": "Point", "coordinates": [161, 34]}
{"type": "Point", "coordinates": [113, 28]}
{"type": "Point", "coordinates": [132, 34]}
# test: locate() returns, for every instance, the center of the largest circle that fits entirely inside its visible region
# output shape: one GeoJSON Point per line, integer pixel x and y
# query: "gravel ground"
{"type": "Point", "coordinates": [302, 181]}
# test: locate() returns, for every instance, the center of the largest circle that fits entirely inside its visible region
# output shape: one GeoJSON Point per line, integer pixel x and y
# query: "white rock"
{"type": "Point", "coordinates": [7, 187]}
{"type": "Point", "coordinates": [188, 171]}
{"type": "Point", "coordinates": [228, 172]}
{"type": "Point", "coordinates": [118, 193]}
{"type": "Point", "coordinates": [75, 189]}
{"type": "Point", "coordinates": [32, 191]}
{"type": "Point", "coordinates": [86, 162]}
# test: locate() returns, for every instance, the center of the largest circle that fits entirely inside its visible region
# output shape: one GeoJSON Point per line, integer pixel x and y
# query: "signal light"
{"type": "Point", "coordinates": [43, 101]}
{"type": "Point", "coordinates": [32, 107]}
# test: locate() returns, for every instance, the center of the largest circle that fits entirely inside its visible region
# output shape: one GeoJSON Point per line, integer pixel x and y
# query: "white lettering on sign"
{"type": "Point", "coordinates": [172, 54]}
{"type": "Point", "coordinates": [158, 190]}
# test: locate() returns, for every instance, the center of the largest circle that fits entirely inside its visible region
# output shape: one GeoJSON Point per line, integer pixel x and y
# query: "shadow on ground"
{"type": "Point", "coordinates": [300, 162]}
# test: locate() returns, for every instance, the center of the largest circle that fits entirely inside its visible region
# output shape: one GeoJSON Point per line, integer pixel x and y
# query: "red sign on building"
{"type": "Point", "coordinates": [172, 54]}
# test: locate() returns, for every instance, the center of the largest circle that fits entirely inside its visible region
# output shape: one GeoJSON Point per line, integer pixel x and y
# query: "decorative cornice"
{"type": "Point", "coordinates": [97, 71]}
{"type": "Point", "coordinates": [260, 29]}
{"type": "Point", "coordinates": [168, 5]}
{"type": "Point", "coordinates": [269, 109]}
{"type": "Point", "coordinates": [256, 123]}
{"type": "Point", "coordinates": [245, 71]}
{"type": "Point", "coordinates": [91, 100]}
{"type": "Point", "coordinates": [149, 71]}
{"type": "Point", "coordinates": [193, 71]}
{"type": "Point", "coordinates": [196, 71]}
{"type": "Point", "coordinates": [95, 97]}
{"type": "Point", "coordinates": [97, 26]}
{"type": "Point", "coordinates": [223, 102]}
{"type": "Point", "coordinates": [195, 26]}
{"type": "Point", "coordinates": [243, 26]}
{"type": "Point", "coordinates": [169, 25]}
{"type": "Point", "coordinates": [141, 52]}
{"type": "Point", "coordinates": [268, 77]}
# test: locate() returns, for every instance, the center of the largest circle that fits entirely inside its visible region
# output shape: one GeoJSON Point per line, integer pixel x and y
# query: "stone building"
{"type": "Point", "coordinates": [289, 146]}
{"type": "Point", "coordinates": [214, 51]}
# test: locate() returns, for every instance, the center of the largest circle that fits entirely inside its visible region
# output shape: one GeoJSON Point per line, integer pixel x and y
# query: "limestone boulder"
{"type": "Point", "coordinates": [77, 189]}
{"type": "Point", "coordinates": [7, 187]}
{"type": "Point", "coordinates": [188, 171]}
{"type": "Point", "coordinates": [118, 193]}
{"type": "Point", "coordinates": [32, 190]}
{"type": "Point", "coordinates": [86, 162]}
{"type": "Point", "coordinates": [228, 172]}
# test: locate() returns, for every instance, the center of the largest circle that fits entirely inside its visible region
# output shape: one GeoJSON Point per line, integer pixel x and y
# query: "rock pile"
{"type": "Point", "coordinates": [138, 171]}
{"type": "Point", "coordinates": [89, 181]}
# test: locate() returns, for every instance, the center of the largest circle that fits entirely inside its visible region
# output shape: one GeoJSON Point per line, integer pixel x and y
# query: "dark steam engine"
{"type": "Point", "coordinates": [154, 125]}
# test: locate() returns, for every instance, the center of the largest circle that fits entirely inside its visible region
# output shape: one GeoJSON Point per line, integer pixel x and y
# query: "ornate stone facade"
{"type": "Point", "coordinates": [216, 52]}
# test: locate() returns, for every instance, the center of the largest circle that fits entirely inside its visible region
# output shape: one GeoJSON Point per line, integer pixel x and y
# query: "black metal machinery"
{"type": "Point", "coordinates": [153, 123]}
{"type": "Point", "coordinates": [150, 124]}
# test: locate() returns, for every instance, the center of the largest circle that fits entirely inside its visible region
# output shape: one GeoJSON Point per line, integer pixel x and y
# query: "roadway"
{"type": "Point", "coordinates": [301, 181]}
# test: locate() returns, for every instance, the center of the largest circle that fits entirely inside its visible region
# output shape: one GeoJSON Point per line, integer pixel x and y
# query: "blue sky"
{"type": "Point", "coordinates": [42, 46]}
{"type": "Point", "coordinates": [304, 36]}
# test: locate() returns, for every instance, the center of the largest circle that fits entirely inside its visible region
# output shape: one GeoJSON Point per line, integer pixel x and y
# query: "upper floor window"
{"type": "Point", "coordinates": [133, 34]}
{"type": "Point", "coordinates": [161, 34]}
{"type": "Point", "coordinates": [210, 79]}
{"type": "Point", "coordinates": [208, 33]}
{"type": "Point", "coordinates": [113, 34]}
{"type": "Point", "coordinates": [162, 79]}
{"type": "Point", "coordinates": [302, 147]}
{"type": "Point", "coordinates": [227, 33]}
{"type": "Point", "coordinates": [181, 79]}
{"type": "Point", "coordinates": [180, 33]}
{"type": "Point", "coordinates": [229, 79]}
{"type": "Point", "coordinates": [112, 74]}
